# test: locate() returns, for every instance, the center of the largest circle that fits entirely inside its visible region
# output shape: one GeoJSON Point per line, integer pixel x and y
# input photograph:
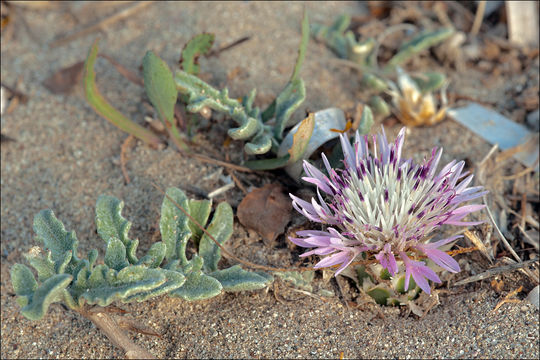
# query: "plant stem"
{"type": "Point", "coordinates": [113, 331]}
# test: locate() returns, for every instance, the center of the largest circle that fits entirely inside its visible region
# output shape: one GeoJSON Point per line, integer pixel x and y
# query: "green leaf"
{"type": "Point", "coordinates": [380, 107]}
{"type": "Point", "coordinates": [429, 81]}
{"type": "Point", "coordinates": [373, 82]}
{"type": "Point", "coordinates": [303, 47]}
{"type": "Point", "coordinates": [260, 144]}
{"type": "Point", "coordinates": [200, 211]}
{"type": "Point", "coordinates": [268, 164]}
{"type": "Point", "coordinates": [301, 138]}
{"type": "Point", "coordinates": [106, 285]}
{"type": "Point", "coordinates": [380, 295]}
{"type": "Point", "coordinates": [286, 103]}
{"type": "Point", "coordinates": [237, 279]}
{"type": "Point", "coordinates": [106, 110]}
{"type": "Point", "coordinates": [44, 265]}
{"type": "Point", "coordinates": [23, 280]}
{"type": "Point", "coordinates": [174, 280]}
{"type": "Point", "coordinates": [155, 255]}
{"type": "Point", "coordinates": [115, 255]}
{"type": "Point", "coordinates": [198, 286]}
{"type": "Point", "coordinates": [47, 293]}
{"type": "Point", "coordinates": [111, 224]}
{"type": "Point", "coordinates": [198, 45]}
{"type": "Point", "coordinates": [301, 280]}
{"type": "Point", "coordinates": [420, 42]}
{"type": "Point", "coordinates": [366, 121]}
{"type": "Point", "coordinates": [53, 234]}
{"type": "Point", "coordinates": [109, 220]}
{"type": "Point", "coordinates": [173, 225]}
{"type": "Point", "coordinates": [221, 228]}
{"type": "Point", "coordinates": [160, 87]}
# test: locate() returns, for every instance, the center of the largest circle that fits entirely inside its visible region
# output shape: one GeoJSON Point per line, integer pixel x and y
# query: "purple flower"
{"type": "Point", "coordinates": [386, 206]}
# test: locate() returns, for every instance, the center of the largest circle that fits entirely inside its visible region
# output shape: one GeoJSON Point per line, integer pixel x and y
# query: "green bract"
{"type": "Point", "coordinates": [64, 277]}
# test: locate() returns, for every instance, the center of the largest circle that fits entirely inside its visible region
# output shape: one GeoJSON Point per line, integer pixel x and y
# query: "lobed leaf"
{"type": "Point", "coordinates": [420, 42]}
{"type": "Point", "coordinates": [54, 235]}
{"type": "Point", "coordinates": [174, 280]}
{"type": "Point", "coordinates": [198, 286]}
{"type": "Point", "coordinates": [115, 255]}
{"type": "Point", "coordinates": [105, 285]}
{"type": "Point", "coordinates": [44, 265]}
{"type": "Point", "coordinates": [200, 211]}
{"type": "Point", "coordinates": [286, 103]}
{"type": "Point", "coordinates": [47, 293]}
{"type": "Point", "coordinates": [24, 282]}
{"type": "Point", "coordinates": [221, 228]}
{"type": "Point", "coordinates": [301, 280]}
{"type": "Point", "coordinates": [237, 279]}
{"type": "Point", "coordinates": [155, 255]}
{"type": "Point", "coordinates": [173, 225]}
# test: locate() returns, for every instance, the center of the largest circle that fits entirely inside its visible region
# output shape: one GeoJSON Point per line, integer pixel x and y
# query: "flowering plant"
{"type": "Point", "coordinates": [386, 206]}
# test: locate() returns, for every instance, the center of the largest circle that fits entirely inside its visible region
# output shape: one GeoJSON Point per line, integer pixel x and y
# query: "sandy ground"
{"type": "Point", "coordinates": [66, 155]}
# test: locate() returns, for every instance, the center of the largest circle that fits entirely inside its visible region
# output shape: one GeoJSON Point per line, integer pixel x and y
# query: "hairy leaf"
{"type": "Point", "coordinates": [198, 286]}
{"type": "Point", "coordinates": [301, 280]}
{"type": "Point", "coordinates": [200, 211]}
{"type": "Point", "coordinates": [24, 283]}
{"type": "Point", "coordinates": [303, 47]}
{"type": "Point", "coordinates": [173, 225]}
{"type": "Point", "coordinates": [366, 121]}
{"type": "Point", "coordinates": [155, 255]}
{"type": "Point", "coordinates": [115, 255]}
{"type": "Point", "coordinates": [47, 293]}
{"type": "Point", "coordinates": [44, 265]}
{"type": "Point", "coordinates": [174, 280]}
{"type": "Point", "coordinates": [55, 237]}
{"type": "Point", "coordinates": [106, 285]}
{"type": "Point", "coordinates": [198, 45]}
{"type": "Point", "coordinates": [221, 228]}
{"type": "Point", "coordinates": [237, 279]}
{"type": "Point", "coordinates": [286, 103]}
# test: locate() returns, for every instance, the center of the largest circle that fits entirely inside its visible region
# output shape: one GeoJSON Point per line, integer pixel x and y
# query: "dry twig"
{"type": "Point", "coordinates": [122, 14]}
{"type": "Point", "coordinates": [492, 272]}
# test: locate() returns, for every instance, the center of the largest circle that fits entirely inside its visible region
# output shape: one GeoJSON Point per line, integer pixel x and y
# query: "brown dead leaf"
{"type": "Point", "coordinates": [266, 210]}
{"type": "Point", "coordinates": [64, 80]}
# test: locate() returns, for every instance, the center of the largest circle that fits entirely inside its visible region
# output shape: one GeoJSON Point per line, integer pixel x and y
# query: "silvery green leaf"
{"type": "Point", "coordinates": [221, 228]}
{"type": "Point", "coordinates": [301, 280]}
{"type": "Point", "coordinates": [47, 293]}
{"type": "Point", "coordinates": [115, 255]}
{"type": "Point", "coordinates": [106, 285]}
{"type": "Point", "coordinates": [420, 42]}
{"type": "Point", "coordinates": [373, 82]}
{"type": "Point", "coordinates": [173, 225]}
{"type": "Point", "coordinates": [237, 279]}
{"type": "Point", "coordinates": [366, 121]}
{"type": "Point", "coordinates": [44, 265]}
{"type": "Point", "coordinates": [198, 286]}
{"type": "Point", "coordinates": [24, 283]}
{"type": "Point", "coordinates": [200, 44]}
{"type": "Point", "coordinates": [155, 255]}
{"type": "Point", "coordinates": [286, 103]}
{"type": "Point", "coordinates": [200, 211]}
{"type": "Point", "coordinates": [380, 107]}
{"type": "Point", "coordinates": [53, 234]}
{"type": "Point", "coordinates": [429, 81]}
{"type": "Point", "coordinates": [174, 280]}
{"type": "Point", "coordinates": [109, 220]}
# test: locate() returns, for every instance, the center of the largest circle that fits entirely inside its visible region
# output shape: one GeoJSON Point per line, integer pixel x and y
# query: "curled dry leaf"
{"type": "Point", "coordinates": [266, 210]}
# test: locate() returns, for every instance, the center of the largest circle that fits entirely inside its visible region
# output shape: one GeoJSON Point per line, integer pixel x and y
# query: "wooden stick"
{"type": "Point", "coordinates": [492, 272]}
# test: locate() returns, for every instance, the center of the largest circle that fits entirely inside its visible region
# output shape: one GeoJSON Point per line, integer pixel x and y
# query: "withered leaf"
{"type": "Point", "coordinates": [266, 210]}
{"type": "Point", "coordinates": [64, 80]}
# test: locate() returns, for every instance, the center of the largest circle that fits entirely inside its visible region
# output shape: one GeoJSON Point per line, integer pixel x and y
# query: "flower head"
{"type": "Point", "coordinates": [387, 206]}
